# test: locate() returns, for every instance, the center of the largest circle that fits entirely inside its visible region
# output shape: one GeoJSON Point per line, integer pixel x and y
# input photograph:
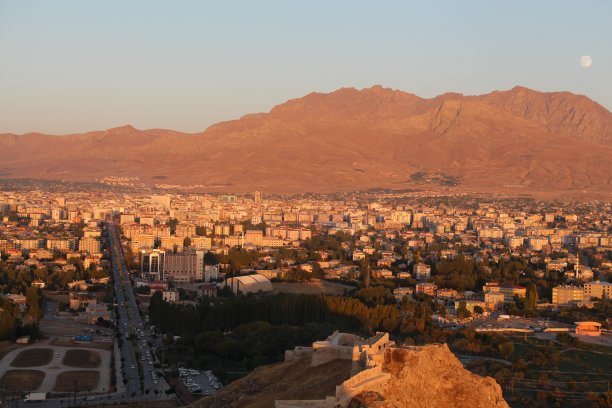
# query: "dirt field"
{"type": "Point", "coordinates": [82, 359]}
{"type": "Point", "coordinates": [315, 287]}
{"type": "Point", "coordinates": [84, 380]}
{"type": "Point", "coordinates": [22, 380]}
{"type": "Point", "coordinates": [33, 358]}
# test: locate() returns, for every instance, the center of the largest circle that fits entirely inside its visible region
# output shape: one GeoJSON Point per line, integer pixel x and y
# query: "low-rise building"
{"type": "Point", "coordinates": [421, 271]}
{"type": "Point", "coordinates": [170, 295]}
{"type": "Point", "coordinates": [426, 288]}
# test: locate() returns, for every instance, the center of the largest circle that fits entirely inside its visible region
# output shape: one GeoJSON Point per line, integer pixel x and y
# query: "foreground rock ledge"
{"type": "Point", "coordinates": [348, 371]}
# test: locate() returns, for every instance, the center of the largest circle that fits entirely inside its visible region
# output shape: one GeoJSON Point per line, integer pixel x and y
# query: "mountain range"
{"type": "Point", "coordinates": [518, 141]}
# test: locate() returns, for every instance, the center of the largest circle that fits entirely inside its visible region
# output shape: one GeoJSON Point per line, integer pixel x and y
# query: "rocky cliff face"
{"type": "Point", "coordinates": [430, 377]}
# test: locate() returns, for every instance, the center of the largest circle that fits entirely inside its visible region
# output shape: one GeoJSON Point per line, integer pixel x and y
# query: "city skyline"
{"type": "Point", "coordinates": [74, 66]}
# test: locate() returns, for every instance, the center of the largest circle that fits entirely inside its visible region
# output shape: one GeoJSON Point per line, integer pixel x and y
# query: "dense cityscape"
{"type": "Point", "coordinates": [190, 280]}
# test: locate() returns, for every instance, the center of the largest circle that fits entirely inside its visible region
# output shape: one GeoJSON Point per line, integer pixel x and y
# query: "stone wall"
{"type": "Point", "coordinates": [298, 353]}
{"type": "Point", "coordinates": [324, 355]}
{"type": "Point", "coordinates": [365, 380]}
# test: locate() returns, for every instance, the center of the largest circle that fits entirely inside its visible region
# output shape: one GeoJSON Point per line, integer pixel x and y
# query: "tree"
{"type": "Point", "coordinates": [172, 223]}
{"type": "Point", "coordinates": [506, 349]}
{"type": "Point", "coordinates": [478, 310]}
{"type": "Point", "coordinates": [210, 258]}
{"type": "Point", "coordinates": [532, 297]}
{"type": "Point", "coordinates": [366, 275]}
{"type": "Point", "coordinates": [462, 311]}
{"type": "Point", "coordinates": [33, 301]}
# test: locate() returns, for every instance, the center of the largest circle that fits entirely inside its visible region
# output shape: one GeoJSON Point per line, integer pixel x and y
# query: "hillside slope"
{"type": "Point", "coordinates": [286, 380]}
{"type": "Point", "coordinates": [424, 377]}
{"type": "Point", "coordinates": [351, 139]}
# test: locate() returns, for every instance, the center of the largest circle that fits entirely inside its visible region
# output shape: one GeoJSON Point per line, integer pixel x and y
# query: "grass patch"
{"type": "Point", "coordinates": [21, 380]}
{"type": "Point", "coordinates": [33, 357]}
{"type": "Point", "coordinates": [82, 359]}
{"type": "Point", "coordinates": [83, 380]}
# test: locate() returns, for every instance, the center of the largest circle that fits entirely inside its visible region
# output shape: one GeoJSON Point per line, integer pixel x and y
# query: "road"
{"type": "Point", "coordinates": [136, 339]}
{"type": "Point", "coordinates": [135, 347]}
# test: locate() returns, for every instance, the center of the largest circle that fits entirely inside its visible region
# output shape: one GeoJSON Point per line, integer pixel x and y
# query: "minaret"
{"type": "Point", "coordinates": [577, 267]}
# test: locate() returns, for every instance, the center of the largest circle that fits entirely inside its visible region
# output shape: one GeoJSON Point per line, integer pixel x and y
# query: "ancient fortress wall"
{"type": "Point", "coordinates": [298, 353]}
{"type": "Point", "coordinates": [363, 381]}
{"type": "Point", "coordinates": [366, 374]}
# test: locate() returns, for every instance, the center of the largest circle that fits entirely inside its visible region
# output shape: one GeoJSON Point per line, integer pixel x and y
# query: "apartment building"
{"type": "Point", "coordinates": [567, 294]}
{"type": "Point", "coordinates": [597, 289]}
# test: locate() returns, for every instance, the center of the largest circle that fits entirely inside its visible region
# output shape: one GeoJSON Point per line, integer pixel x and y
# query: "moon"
{"type": "Point", "coordinates": [586, 61]}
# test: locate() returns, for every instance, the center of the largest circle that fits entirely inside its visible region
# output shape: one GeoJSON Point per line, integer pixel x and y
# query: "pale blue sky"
{"type": "Point", "coordinates": [72, 66]}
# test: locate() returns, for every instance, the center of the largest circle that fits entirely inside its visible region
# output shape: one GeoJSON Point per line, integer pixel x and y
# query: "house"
{"type": "Point", "coordinates": [592, 329]}
{"type": "Point", "coordinates": [170, 295]}
{"type": "Point", "coordinates": [508, 291]}
{"type": "Point", "coordinates": [426, 288]}
{"type": "Point", "coordinates": [421, 271]}
{"type": "Point", "coordinates": [79, 285]}
{"type": "Point", "coordinates": [209, 290]}
{"type": "Point", "coordinates": [382, 273]}
{"type": "Point", "coordinates": [400, 293]}
{"type": "Point", "coordinates": [446, 293]}
{"type": "Point", "coordinates": [38, 283]}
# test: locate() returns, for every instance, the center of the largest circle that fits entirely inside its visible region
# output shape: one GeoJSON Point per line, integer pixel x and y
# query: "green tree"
{"type": "Point", "coordinates": [366, 274]}
{"type": "Point", "coordinates": [532, 297]}
{"type": "Point", "coordinates": [506, 349]}
{"type": "Point", "coordinates": [33, 302]}
{"type": "Point", "coordinates": [210, 258]}
{"type": "Point", "coordinates": [462, 311]}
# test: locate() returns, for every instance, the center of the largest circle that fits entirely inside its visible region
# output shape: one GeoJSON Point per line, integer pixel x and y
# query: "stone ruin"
{"type": "Point", "coordinates": [367, 356]}
{"type": "Point", "coordinates": [384, 375]}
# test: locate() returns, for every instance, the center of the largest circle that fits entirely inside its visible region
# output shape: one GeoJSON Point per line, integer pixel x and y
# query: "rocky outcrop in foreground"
{"type": "Point", "coordinates": [429, 377]}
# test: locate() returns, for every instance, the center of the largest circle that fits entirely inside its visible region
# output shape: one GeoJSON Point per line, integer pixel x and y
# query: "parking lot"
{"type": "Point", "coordinates": [520, 324]}
{"type": "Point", "coordinates": [198, 382]}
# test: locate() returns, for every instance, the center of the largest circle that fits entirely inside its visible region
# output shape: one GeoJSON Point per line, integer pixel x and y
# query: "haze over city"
{"type": "Point", "coordinates": [278, 204]}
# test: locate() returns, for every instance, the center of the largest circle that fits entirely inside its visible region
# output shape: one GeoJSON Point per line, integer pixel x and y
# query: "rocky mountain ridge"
{"type": "Point", "coordinates": [351, 139]}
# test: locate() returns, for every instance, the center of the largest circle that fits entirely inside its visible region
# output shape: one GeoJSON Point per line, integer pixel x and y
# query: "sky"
{"type": "Point", "coordinates": [71, 66]}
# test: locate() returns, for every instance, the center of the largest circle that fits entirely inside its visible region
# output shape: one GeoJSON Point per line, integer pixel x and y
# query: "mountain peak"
{"type": "Point", "coordinates": [123, 129]}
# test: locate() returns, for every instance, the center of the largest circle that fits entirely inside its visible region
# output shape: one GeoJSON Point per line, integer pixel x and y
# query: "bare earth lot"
{"type": "Point", "coordinates": [82, 359]}
{"type": "Point", "coordinates": [21, 380]}
{"type": "Point", "coordinates": [33, 357]}
{"type": "Point", "coordinates": [83, 380]}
